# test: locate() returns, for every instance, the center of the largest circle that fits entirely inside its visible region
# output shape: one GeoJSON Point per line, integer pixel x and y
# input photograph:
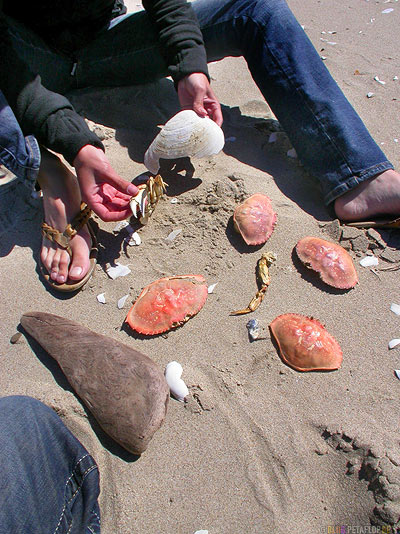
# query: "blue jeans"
{"type": "Point", "coordinates": [49, 484]}
{"type": "Point", "coordinates": [328, 135]}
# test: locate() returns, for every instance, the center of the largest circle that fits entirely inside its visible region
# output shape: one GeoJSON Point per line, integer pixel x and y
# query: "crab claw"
{"type": "Point", "coordinates": [138, 203]}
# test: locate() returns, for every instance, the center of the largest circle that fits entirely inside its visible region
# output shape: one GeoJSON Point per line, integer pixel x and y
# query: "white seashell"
{"type": "Point", "coordinates": [389, 10]}
{"type": "Point", "coordinates": [370, 95]}
{"type": "Point", "coordinates": [201, 532]}
{"type": "Point", "coordinates": [133, 239]}
{"type": "Point", "coordinates": [101, 298]}
{"type": "Point", "coordinates": [173, 373]}
{"type": "Point", "coordinates": [369, 261]}
{"type": "Point", "coordinates": [393, 343]}
{"type": "Point", "coordinates": [211, 288]}
{"type": "Point", "coordinates": [253, 328]}
{"type": "Point", "coordinates": [291, 153]}
{"type": "Point", "coordinates": [397, 373]}
{"type": "Point", "coordinates": [117, 270]}
{"type": "Point", "coordinates": [171, 236]}
{"type": "Point", "coordinates": [121, 302]}
{"type": "Point", "coordinates": [395, 308]}
{"type": "Point", "coordinates": [119, 226]}
{"type": "Point", "coordinates": [379, 81]}
{"type": "Point", "coordinates": [186, 134]}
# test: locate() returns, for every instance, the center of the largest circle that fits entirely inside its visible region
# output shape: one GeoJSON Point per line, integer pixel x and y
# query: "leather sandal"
{"type": "Point", "coordinates": [388, 222]}
{"type": "Point", "coordinates": [63, 241]}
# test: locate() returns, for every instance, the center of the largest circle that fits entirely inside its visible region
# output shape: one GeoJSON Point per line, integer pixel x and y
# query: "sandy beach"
{"type": "Point", "coordinates": [259, 447]}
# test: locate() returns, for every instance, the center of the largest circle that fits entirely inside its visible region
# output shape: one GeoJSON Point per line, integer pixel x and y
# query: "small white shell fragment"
{"type": "Point", "coordinates": [369, 261]}
{"type": "Point", "coordinates": [201, 532]}
{"type": "Point", "coordinates": [395, 308]}
{"type": "Point", "coordinates": [397, 373]}
{"type": "Point", "coordinates": [395, 78]}
{"type": "Point", "coordinates": [211, 287]}
{"type": "Point", "coordinates": [119, 226]}
{"type": "Point", "coordinates": [389, 10]}
{"type": "Point", "coordinates": [370, 95]}
{"type": "Point", "coordinates": [171, 236]}
{"type": "Point", "coordinates": [379, 81]}
{"type": "Point", "coordinates": [253, 327]}
{"type": "Point", "coordinates": [291, 153]}
{"type": "Point", "coordinates": [186, 134]}
{"type": "Point", "coordinates": [117, 270]}
{"type": "Point", "coordinates": [121, 302]}
{"type": "Point", "coordinates": [273, 137]}
{"type": "Point", "coordinates": [174, 200]}
{"type": "Point", "coordinates": [133, 239]}
{"type": "Point", "coordinates": [173, 373]}
{"type": "Point", "coordinates": [101, 298]}
{"type": "Point", "coordinates": [393, 343]}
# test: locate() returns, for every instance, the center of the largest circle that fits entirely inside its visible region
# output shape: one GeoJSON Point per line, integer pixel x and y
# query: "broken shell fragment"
{"type": "Point", "coordinates": [331, 261]}
{"type": "Point", "coordinates": [173, 373]}
{"type": "Point", "coordinates": [186, 134]}
{"type": "Point", "coordinates": [304, 343]}
{"type": "Point", "coordinates": [167, 303]}
{"type": "Point", "coordinates": [255, 219]}
{"type": "Point", "coordinates": [393, 343]}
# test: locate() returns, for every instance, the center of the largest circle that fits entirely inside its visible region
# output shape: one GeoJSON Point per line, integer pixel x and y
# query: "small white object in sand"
{"type": "Point", "coordinates": [211, 288]}
{"type": "Point", "coordinates": [395, 308]}
{"type": "Point", "coordinates": [117, 270]}
{"type": "Point", "coordinates": [291, 153]}
{"type": "Point", "coordinates": [101, 298]}
{"type": "Point", "coordinates": [370, 95]}
{"type": "Point", "coordinates": [379, 81]}
{"type": "Point", "coordinates": [173, 373]}
{"type": "Point", "coordinates": [395, 78]}
{"type": "Point", "coordinates": [332, 43]}
{"type": "Point", "coordinates": [201, 532]}
{"type": "Point", "coordinates": [253, 328]}
{"type": "Point", "coordinates": [174, 200]}
{"type": "Point", "coordinates": [119, 226]}
{"type": "Point", "coordinates": [397, 373]}
{"type": "Point", "coordinates": [171, 236]}
{"type": "Point", "coordinates": [389, 10]}
{"type": "Point", "coordinates": [273, 137]}
{"type": "Point", "coordinates": [121, 302]}
{"type": "Point", "coordinates": [369, 261]}
{"type": "Point", "coordinates": [133, 239]}
{"type": "Point", "coordinates": [393, 343]}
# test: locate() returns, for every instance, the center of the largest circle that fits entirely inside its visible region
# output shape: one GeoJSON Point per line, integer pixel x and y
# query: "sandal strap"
{"type": "Point", "coordinates": [63, 238]}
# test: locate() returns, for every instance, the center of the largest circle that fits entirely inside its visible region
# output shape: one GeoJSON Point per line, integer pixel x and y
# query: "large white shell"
{"type": "Point", "coordinates": [185, 135]}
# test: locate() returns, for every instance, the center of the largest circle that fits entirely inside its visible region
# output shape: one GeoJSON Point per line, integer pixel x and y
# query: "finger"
{"type": "Point", "coordinates": [109, 215]}
{"type": "Point", "coordinates": [123, 186]}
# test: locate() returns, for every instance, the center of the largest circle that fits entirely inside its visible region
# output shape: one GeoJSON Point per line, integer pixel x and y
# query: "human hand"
{"type": "Point", "coordinates": [194, 92]}
{"type": "Point", "coordinates": [103, 190]}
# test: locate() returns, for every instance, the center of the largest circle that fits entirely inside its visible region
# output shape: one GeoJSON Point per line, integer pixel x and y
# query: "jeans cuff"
{"type": "Point", "coordinates": [355, 180]}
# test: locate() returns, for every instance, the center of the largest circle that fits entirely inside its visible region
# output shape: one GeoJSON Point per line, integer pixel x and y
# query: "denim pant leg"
{"type": "Point", "coordinates": [328, 135]}
{"type": "Point", "coordinates": [49, 483]}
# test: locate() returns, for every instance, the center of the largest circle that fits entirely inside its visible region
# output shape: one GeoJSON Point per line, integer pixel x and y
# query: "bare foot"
{"type": "Point", "coordinates": [61, 202]}
{"type": "Point", "coordinates": [375, 197]}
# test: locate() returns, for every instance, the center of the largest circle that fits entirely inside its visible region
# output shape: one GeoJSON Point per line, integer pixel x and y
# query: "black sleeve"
{"type": "Point", "coordinates": [180, 36]}
{"type": "Point", "coordinates": [48, 116]}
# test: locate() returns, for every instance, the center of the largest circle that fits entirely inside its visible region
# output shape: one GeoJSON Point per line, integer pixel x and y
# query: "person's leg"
{"type": "Point", "coordinates": [328, 135]}
{"type": "Point", "coordinates": [49, 482]}
{"type": "Point", "coordinates": [61, 195]}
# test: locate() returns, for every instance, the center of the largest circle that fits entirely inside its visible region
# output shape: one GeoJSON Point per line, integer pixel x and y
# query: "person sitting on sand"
{"type": "Point", "coordinates": [48, 48]}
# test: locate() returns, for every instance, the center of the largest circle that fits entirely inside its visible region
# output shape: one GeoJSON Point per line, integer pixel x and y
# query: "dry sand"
{"type": "Point", "coordinates": [259, 447]}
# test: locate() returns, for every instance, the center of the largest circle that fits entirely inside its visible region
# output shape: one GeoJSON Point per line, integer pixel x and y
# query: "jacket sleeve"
{"type": "Point", "coordinates": [180, 36]}
{"type": "Point", "coordinates": [48, 116]}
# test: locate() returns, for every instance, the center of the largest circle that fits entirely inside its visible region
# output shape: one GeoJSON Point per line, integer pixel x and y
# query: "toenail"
{"type": "Point", "coordinates": [61, 279]}
{"type": "Point", "coordinates": [76, 271]}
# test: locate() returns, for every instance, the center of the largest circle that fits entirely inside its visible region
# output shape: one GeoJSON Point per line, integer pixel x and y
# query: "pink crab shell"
{"type": "Point", "coordinates": [330, 260]}
{"type": "Point", "coordinates": [255, 219]}
{"type": "Point", "coordinates": [167, 303]}
{"type": "Point", "coordinates": [304, 344]}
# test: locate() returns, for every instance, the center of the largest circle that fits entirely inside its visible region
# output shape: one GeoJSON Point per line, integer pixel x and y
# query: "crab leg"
{"type": "Point", "coordinates": [263, 280]}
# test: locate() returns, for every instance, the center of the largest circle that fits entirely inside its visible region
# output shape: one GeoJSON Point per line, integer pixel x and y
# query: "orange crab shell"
{"type": "Point", "coordinates": [304, 343]}
{"type": "Point", "coordinates": [167, 303]}
{"type": "Point", "coordinates": [330, 260]}
{"type": "Point", "coordinates": [255, 219]}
